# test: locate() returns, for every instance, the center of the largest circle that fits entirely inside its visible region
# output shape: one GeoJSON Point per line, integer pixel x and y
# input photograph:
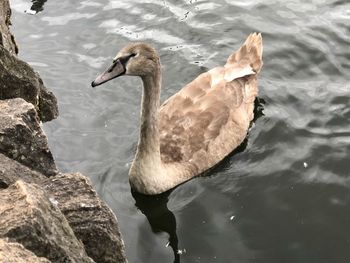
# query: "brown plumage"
{"type": "Point", "coordinates": [198, 126]}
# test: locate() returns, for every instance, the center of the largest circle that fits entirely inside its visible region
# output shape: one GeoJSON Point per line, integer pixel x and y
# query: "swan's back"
{"type": "Point", "coordinates": [210, 116]}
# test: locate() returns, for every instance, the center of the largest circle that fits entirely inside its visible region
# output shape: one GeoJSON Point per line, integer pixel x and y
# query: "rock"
{"type": "Point", "coordinates": [22, 138]}
{"type": "Point", "coordinates": [16, 253]}
{"type": "Point", "coordinates": [90, 218]}
{"type": "Point", "coordinates": [31, 219]}
{"type": "Point", "coordinates": [18, 80]}
{"type": "Point", "coordinates": [11, 171]}
{"type": "Point", "coordinates": [6, 38]}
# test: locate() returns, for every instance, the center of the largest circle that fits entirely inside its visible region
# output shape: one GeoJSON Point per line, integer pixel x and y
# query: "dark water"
{"type": "Point", "coordinates": [284, 197]}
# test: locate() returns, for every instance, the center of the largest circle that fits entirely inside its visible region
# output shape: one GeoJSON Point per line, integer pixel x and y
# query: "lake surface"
{"type": "Point", "coordinates": [284, 196]}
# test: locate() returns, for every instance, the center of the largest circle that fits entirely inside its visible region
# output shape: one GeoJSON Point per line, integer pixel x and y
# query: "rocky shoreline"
{"type": "Point", "coordinates": [45, 215]}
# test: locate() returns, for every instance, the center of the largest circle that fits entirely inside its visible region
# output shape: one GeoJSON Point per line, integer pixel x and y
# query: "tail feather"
{"type": "Point", "coordinates": [247, 60]}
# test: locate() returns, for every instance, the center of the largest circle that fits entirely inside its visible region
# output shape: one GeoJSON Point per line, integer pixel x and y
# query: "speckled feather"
{"type": "Point", "coordinates": [210, 117]}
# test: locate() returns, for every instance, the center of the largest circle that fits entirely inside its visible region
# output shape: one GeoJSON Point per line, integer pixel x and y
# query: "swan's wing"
{"type": "Point", "coordinates": [210, 116]}
{"type": "Point", "coordinates": [200, 114]}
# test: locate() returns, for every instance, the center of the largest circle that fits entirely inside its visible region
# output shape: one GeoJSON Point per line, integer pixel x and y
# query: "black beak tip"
{"type": "Point", "coordinates": [93, 84]}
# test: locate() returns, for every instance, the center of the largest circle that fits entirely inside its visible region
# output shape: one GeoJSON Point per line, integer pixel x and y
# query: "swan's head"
{"type": "Point", "coordinates": [138, 59]}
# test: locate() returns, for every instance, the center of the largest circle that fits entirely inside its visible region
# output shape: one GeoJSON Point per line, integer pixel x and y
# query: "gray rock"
{"type": "Point", "coordinates": [90, 218]}
{"type": "Point", "coordinates": [31, 219]}
{"type": "Point", "coordinates": [18, 80]}
{"type": "Point", "coordinates": [16, 253]}
{"type": "Point", "coordinates": [6, 38]}
{"type": "Point", "coordinates": [22, 138]}
{"type": "Point", "coordinates": [27, 214]}
{"type": "Point", "coordinates": [11, 171]}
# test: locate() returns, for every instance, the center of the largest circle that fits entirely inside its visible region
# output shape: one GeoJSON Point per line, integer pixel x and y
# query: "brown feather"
{"type": "Point", "coordinates": [210, 116]}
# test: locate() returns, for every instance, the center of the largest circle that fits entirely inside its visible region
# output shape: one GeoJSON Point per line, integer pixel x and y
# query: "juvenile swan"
{"type": "Point", "coordinates": [195, 128]}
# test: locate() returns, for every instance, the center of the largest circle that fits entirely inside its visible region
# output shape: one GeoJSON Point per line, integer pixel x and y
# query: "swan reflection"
{"type": "Point", "coordinates": [160, 218]}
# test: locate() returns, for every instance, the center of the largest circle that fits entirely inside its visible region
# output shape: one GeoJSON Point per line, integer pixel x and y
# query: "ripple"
{"type": "Point", "coordinates": [133, 33]}
{"type": "Point", "coordinates": [265, 185]}
{"type": "Point", "coordinates": [67, 18]}
{"type": "Point", "coordinates": [88, 3]}
{"type": "Point", "coordinates": [20, 5]}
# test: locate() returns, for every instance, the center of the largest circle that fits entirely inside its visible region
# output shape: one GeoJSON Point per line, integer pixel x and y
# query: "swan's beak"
{"type": "Point", "coordinates": [117, 69]}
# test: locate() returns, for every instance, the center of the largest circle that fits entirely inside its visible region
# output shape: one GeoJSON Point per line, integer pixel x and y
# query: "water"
{"type": "Point", "coordinates": [284, 196]}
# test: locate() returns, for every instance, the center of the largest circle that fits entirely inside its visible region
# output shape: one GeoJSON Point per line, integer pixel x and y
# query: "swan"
{"type": "Point", "coordinates": [195, 128]}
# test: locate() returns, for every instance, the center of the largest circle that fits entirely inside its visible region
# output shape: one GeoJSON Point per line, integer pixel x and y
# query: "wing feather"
{"type": "Point", "coordinates": [210, 116]}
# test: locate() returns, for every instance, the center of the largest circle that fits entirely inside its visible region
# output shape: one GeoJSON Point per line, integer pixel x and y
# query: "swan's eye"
{"type": "Point", "coordinates": [124, 59]}
{"type": "Point", "coordinates": [133, 55]}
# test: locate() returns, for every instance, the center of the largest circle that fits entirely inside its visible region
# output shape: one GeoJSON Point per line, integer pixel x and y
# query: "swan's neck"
{"type": "Point", "coordinates": [148, 174]}
{"type": "Point", "coordinates": [149, 132]}
{"type": "Point", "coordinates": [147, 167]}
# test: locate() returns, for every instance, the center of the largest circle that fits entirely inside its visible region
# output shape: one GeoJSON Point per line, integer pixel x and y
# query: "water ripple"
{"type": "Point", "coordinates": [65, 19]}
{"type": "Point", "coordinates": [291, 174]}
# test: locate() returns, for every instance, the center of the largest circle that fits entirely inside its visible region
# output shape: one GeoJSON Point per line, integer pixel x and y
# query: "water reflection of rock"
{"type": "Point", "coordinates": [160, 217]}
{"type": "Point", "coordinates": [37, 6]}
